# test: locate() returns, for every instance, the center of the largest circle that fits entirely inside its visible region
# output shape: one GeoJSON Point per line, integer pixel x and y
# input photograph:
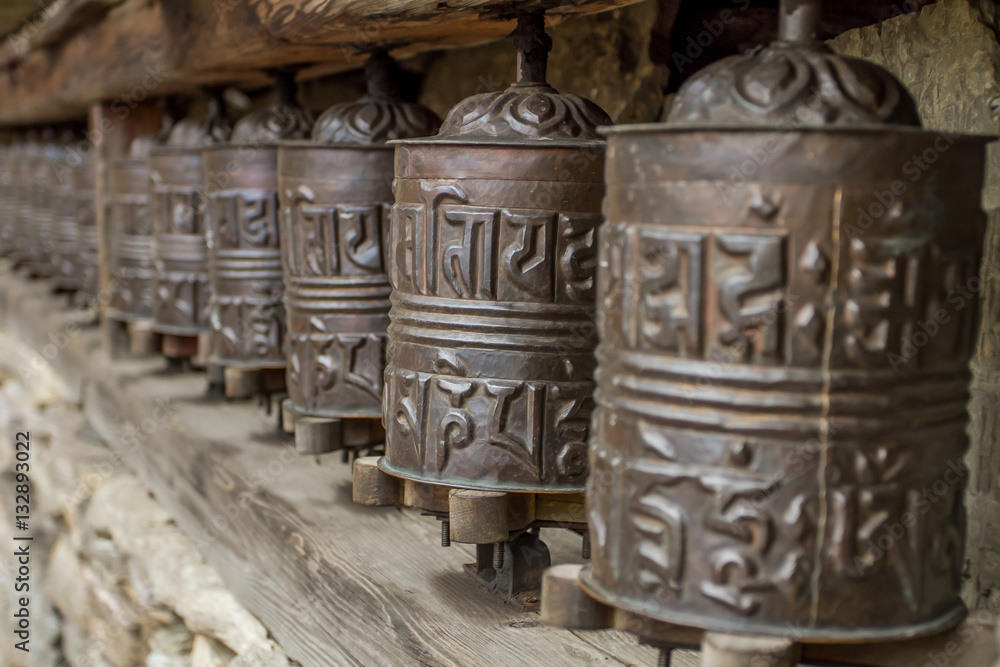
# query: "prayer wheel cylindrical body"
{"type": "Point", "coordinates": [7, 205]}
{"type": "Point", "coordinates": [336, 192]}
{"type": "Point", "coordinates": [492, 254]}
{"type": "Point", "coordinates": [65, 233]}
{"type": "Point", "coordinates": [21, 174]}
{"type": "Point", "coordinates": [39, 230]}
{"type": "Point", "coordinates": [786, 317]}
{"type": "Point", "coordinates": [248, 316]}
{"type": "Point", "coordinates": [335, 205]}
{"type": "Point", "coordinates": [131, 240]}
{"type": "Point", "coordinates": [181, 296]}
{"type": "Point", "coordinates": [491, 343]}
{"type": "Point", "coordinates": [84, 196]}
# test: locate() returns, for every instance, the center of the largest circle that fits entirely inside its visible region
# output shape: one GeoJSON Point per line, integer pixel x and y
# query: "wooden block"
{"type": "Point", "coordinates": [566, 605]}
{"type": "Point", "coordinates": [242, 383]}
{"type": "Point", "coordinates": [316, 435]}
{"type": "Point", "coordinates": [372, 487]}
{"type": "Point", "coordinates": [426, 497]}
{"type": "Point", "coordinates": [287, 417]}
{"type": "Point", "coordinates": [722, 650]}
{"type": "Point", "coordinates": [272, 380]}
{"type": "Point", "coordinates": [180, 347]}
{"type": "Point", "coordinates": [478, 517]}
{"type": "Point", "coordinates": [362, 432]}
{"type": "Point", "coordinates": [200, 359]}
{"type": "Point", "coordinates": [144, 342]}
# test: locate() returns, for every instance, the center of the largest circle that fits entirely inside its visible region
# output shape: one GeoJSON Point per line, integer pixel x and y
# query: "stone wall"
{"type": "Point", "coordinates": [114, 583]}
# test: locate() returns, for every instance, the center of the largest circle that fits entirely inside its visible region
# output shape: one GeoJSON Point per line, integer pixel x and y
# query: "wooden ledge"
{"type": "Point", "coordinates": [334, 582]}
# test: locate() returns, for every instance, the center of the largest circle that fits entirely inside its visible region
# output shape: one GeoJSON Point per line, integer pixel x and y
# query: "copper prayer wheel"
{"type": "Point", "coordinates": [244, 246]}
{"type": "Point", "coordinates": [7, 201]}
{"type": "Point", "coordinates": [182, 292]}
{"type": "Point", "coordinates": [492, 258]}
{"type": "Point", "coordinates": [65, 233]}
{"type": "Point", "coordinates": [131, 235]}
{"type": "Point", "coordinates": [40, 223]}
{"type": "Point", "coordinates": [21, 183]}
{"type": "Point", "coordinates": [335, 197]}
{"type": "Point", "coordinates": [84, 184]}
{"type": "Point", "coordinates": [785, 332]}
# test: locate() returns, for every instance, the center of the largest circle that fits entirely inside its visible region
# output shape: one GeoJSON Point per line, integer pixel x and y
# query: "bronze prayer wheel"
{"type": "Point", "coordinates": [131, 235]}
{"type": "Point", "coordinates": [39, 230]}
{"type": "Point", "coordinates": [7, 201]}
{"type": "Point", "coordinates": [65, 233]}
{"type": "Point", "coordinates": [785, 328]}
{"type": "Point", "coordinates": [21, 178]}
{"type": "Point", "coordinates": [492, 257]}
{"type": "Point", "coordinates": [182, 294]}
{"type": "Point", "coordinates": [244, 244]}
{"type": "Point", "coordinates": [84, 184]}
{"type": "Point", "coordinates": [336, 192]}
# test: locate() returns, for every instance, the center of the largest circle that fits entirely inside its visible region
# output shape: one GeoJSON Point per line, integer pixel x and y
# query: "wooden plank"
{"type": "Point", "coordinates": [146, 48]}
{"type": "Point", "coordinates": [334, 582]}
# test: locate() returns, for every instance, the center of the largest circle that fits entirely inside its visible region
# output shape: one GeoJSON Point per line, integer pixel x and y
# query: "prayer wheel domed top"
{"type": "Point", "coordinates": [491, 256]}
{"type": "Point", "coordinates": [782, 372]}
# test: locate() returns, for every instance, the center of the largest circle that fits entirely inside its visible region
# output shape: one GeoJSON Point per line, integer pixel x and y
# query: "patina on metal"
{"type": "Point", "coordinates": [492, 256]}
{"type": "Point", "coordinates": [182, 293]}
{"type": "Point", "coordinates": [131, 234]}
{"type": "Point", "coordinates": [84, 191]}
{"type": "Point", "coordinates": [785, 327]}
{"type": "Point", "coordinates": [65, 233]}
{"type": "Point", "coordinates": [336, 191]}
{"type": "Point", "coordinates": [244, 246]}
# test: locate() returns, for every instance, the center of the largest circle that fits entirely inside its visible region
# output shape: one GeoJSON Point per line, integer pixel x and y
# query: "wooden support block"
{"type": "Point", "coordinates": [204, 350]}
{"type": "Point", "coordinates": [272, 380]}
{"type": "Point", "coordinates": [288, 417]}
{"type": "Point", "coordinates": [426, 497]}
{"type": "Point", "coordinates": [115, 338]}
{"type": "Point", "coordinates": [566, 605]}
{"type": "Point", "coordinates": [478, 517]}
{"type": "Point", "coordinates": [317, 435]}
{"type": "Point", "coordinates": [362, 432]}
{"type": "Point", "coordinates": [180, 347]}
{"type": "Point", "coordinates": [372, 487]}
{"type": "Point", "coordinates": [723, 650]}
{"type": "Point", "coordinates": [143, 341]}
{"type": "Point", "coordinates": [242, 383]}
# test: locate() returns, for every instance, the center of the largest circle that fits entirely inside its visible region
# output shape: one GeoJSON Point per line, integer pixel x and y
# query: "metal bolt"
{"type": "Point", "coordinates": [498, 555]}
{"type": "Point", "coordinates": [664, 659]}
{"type": "Point", "coordinates": [446, 533]}
{"type": "Point", "coordinates": [586, 546]}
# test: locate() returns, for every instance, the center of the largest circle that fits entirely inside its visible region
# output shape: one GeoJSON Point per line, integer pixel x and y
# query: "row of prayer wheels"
{"type": "Point", "coordinates": [757, 276]}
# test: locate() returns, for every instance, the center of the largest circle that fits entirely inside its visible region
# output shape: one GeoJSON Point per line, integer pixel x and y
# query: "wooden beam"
{"type": "Point", "coordinates": [148, 48]}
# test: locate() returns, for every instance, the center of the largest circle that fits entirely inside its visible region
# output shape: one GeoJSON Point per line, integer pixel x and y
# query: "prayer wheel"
{"type": "Point", "coordinates": [65, 233]}
{"type": "Point", "coordinates": [489, 365]}
{"type": "Point", "coordinates": [336, 192]}
{"type": "Point", "coordinates": [787, 311]}
{"type": "Point", "coordinates": [244, 244]}
{"type": "Point", "coordinates": [182, 292]}
{"type": "Point", "coordinates": [84, 184]}
{"type": "Point", "coordinates": [131, 235]}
